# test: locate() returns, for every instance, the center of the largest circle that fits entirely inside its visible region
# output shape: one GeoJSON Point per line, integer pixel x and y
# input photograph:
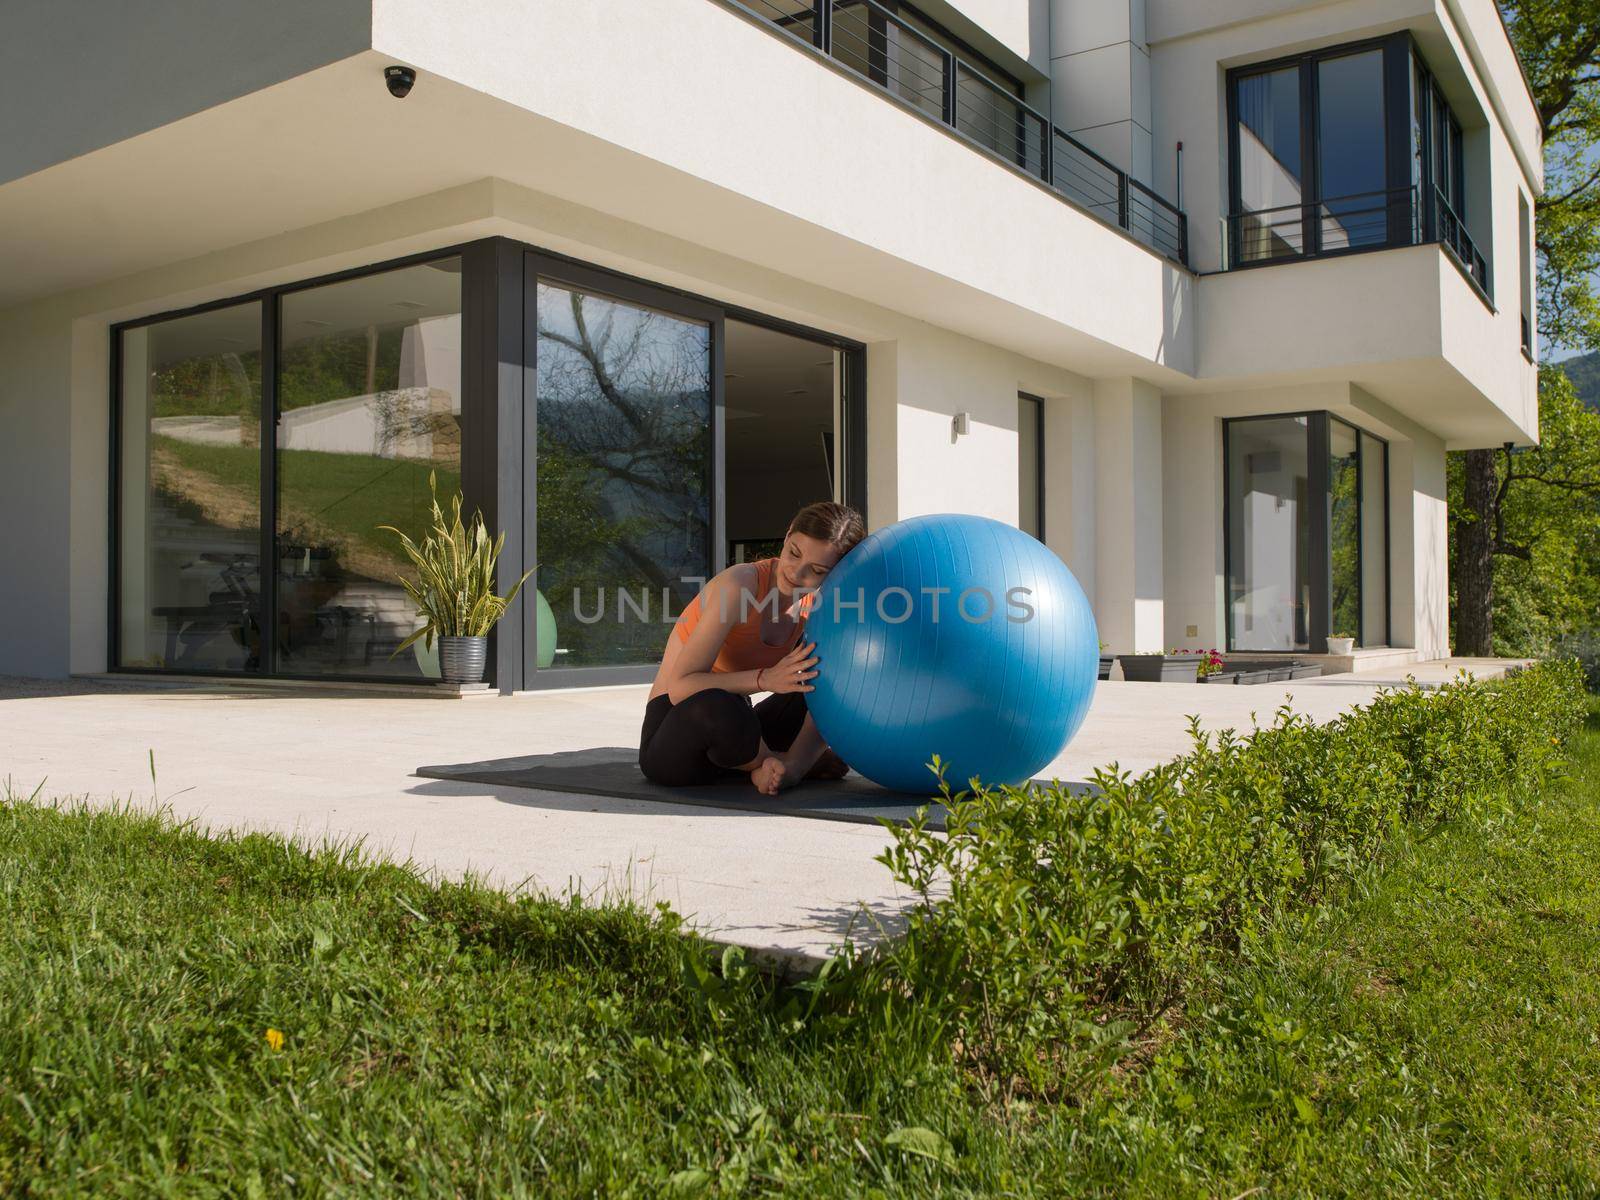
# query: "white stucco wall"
{"type": "Point", "coordinates": [88, 76]}
{"type": "Point", "coordinates": [1020, 27]}
{"type": "Point", "coordinates": [35, 441]}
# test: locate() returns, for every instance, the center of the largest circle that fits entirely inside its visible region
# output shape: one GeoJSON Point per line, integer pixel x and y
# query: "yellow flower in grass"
{"type": "Point", "coordinates": [275, 1038]}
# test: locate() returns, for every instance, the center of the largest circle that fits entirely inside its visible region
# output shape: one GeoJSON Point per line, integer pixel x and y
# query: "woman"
{"type": "Point", "coordinates": [742, 635]}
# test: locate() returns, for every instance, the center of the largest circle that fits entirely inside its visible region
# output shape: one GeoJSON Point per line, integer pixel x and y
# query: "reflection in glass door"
{"type": "Point", "coordinates": [1293, 577]}
{"type": "Point", "coordinates": [189, 518]}
{"type": "Point", "coordinates": [1344, 531]}
{"type": "Point", "coordinates": [1268, 173]}
{"type": "Point", "coordinates": [369, 405]}
{"type": "Point", "coordinates": [1269, 533]}
{"type": "Point", "coordinates": [624, 482]}
{"type": "Point", "coordinates": [1374, 541]}
{"type": "Point", "coordinates": [1350, 152]}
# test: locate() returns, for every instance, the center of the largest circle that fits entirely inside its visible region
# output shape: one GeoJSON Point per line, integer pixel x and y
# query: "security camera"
{"type": "Point", "coordinates": [399, 80]}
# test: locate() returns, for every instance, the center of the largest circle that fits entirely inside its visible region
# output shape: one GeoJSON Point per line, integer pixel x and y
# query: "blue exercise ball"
{"type": "Point", "coordinates": [951, 635]}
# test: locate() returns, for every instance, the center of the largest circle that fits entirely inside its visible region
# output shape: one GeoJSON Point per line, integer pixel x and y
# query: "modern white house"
{"type": "Point", "coordinates": [1198, 293]}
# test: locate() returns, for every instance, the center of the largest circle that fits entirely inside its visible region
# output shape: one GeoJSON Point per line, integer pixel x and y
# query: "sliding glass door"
{"type": "Point", "coordinates": [1269, 534]}
{"type": "Point", "coordinates": [623, 469]}
{"type": "Point", "coordinates": [260, 444]}
{"type": "Point", "coordinates": [1307, 542]}
{"type": "Point", "coordinates": [671, 438]}
{"type": "Point", "coordinates": [189, 504]}
{"type": "Point", "coordinates": [369, 407]}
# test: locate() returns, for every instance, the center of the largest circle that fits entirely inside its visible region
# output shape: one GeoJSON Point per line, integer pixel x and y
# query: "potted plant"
{"type": "Point", "coordinates": [454, 589]}
{"type": "Point", "coordinates": [1105, 662]}
{"type": "Point", "coordinates": [1210, 666]}
{"type": "Point", "coordinates": [1341, 644]}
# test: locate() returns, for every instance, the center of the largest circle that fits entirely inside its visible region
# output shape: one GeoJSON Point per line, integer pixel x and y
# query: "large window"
{"type": "Point", "coordinates": [624, 473]}
{"type": "Point", "coordinates": [628, 440]}
{"type": "Point", "coordinates": [1269, 534]}
{"type": "Point", "coordinates": [189, 528]}
{"type": "Point", "coordinates": [1345, 149]}
{"type": "Point", "coordinates": [1307, 533]}
{"type": "Point", "coordinates": [369, 406]}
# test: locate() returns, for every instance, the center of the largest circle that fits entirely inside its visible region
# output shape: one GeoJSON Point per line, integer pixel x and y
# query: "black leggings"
{"type": "Point", "coordinates": [703, 739]}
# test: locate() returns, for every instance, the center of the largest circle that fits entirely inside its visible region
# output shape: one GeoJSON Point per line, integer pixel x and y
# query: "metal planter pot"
{"type": "Point", "coordinates": [462, 659]}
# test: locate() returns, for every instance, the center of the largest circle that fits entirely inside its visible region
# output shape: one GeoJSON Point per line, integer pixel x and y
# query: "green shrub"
{"type": "Point", "coordinates": [1584, 645]}
{"type": "Point", "coordinates": [1057, 924]}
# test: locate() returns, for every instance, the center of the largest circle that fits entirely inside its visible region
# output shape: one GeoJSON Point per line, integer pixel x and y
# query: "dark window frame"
{"type": "Point", "coordinates": [498, 339]}
{"type": "Point", "coordinates": [1405, 75]}
{"type": "Point", "coordinates": [1320, 500]}
{"type": "Point", "coordinates": [1040, 422]}
{"type": "Point", "coordinates": [268, 297]}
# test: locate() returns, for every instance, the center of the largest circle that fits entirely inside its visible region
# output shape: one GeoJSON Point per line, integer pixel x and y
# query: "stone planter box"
{"type": "Point", "coordinates": [1105, 665]}
{"type": "Point", "coordinates": [1159, 668]}
{"type": "Point", "coordinates": [1249, 671]}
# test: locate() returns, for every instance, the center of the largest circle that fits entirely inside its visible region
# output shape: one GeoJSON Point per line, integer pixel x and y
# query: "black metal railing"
{"type": "Point", "coordinates": [1345, 224]}
{"type": "Point", "coordinates": [932, 78]}
{"type": "Point", "coordinates": [1452, 233]}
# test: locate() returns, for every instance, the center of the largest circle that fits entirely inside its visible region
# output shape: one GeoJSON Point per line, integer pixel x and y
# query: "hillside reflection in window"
{"type": "Point", "coordinates": [189, 577]}
{"type": "Point", "coordinates": [369, 405]}
{"type": "Point", "coordinates": [624, 453]}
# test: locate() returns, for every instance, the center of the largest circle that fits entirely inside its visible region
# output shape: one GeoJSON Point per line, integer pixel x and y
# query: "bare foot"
{"type": "Point", "coordinates": [768, 777]}
{"type": "Point", "coordinates": [829, 766]}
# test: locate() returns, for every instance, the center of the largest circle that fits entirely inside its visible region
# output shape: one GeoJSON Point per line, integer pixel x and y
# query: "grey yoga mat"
{"type": "Point", "coordinates": [614, 771]}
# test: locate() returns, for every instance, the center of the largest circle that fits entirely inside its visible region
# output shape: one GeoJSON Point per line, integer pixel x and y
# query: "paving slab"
{"type": "Point", "coordinates": [331, 765]}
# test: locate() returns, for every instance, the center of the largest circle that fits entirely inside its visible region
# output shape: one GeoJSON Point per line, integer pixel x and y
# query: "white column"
{"type": "Point", "coordinates": [1128, 589]}
{"type": "Point", "coordinates": [1192, 495]}
{"type": "Point", "coordinates": [1419, 547]}
{"type": "Point", "coordinates": [1100, 72]}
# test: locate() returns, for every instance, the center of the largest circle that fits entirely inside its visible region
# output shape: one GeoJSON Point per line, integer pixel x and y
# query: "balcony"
{"type": "Point", "coordinates": [1354, 224]}
{"type": "Point", "coordinates": [910, 67]}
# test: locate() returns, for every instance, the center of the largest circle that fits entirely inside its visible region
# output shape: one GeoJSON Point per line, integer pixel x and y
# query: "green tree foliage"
{"type": "Point", "coordinates": [1524, 568]}
{"type": "Point", "coordinates": [1546, 537]}
{"type": "Point", "coordinates": [1559, 42]}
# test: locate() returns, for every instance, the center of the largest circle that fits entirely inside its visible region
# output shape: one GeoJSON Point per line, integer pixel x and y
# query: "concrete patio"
{"type": "Point", "coordinates": [338, 765]}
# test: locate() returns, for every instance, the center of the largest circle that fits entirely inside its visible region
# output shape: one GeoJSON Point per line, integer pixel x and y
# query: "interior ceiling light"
{"type": "Point", "coordinates": [798, 392]}
{"type": "Point", "coordinates": [317, 324]}
{"type": "Point", "coordinates": [409, 304]}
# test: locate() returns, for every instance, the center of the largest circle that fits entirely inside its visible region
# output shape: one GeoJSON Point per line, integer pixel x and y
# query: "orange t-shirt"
{"type": "Point", "coordinates": [743, 650]}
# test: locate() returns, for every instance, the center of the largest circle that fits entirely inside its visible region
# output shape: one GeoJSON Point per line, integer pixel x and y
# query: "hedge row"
{"type": "Point", "coordinates": [1055, 924]}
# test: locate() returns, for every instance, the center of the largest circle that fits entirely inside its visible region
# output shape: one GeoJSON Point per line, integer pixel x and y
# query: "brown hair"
{"type": "Point", "coordinates": [836, 524]}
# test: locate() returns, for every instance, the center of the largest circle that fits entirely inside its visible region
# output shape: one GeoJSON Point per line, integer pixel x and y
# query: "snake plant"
{"type": "Point", "coordinates": [454, 588]}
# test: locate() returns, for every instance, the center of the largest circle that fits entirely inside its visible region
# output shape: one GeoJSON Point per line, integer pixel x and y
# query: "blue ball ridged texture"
{"type": "Point", "coordinates": [995, 698]}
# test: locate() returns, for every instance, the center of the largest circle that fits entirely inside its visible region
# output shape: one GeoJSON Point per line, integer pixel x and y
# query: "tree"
{"type": "Point", "coordinates": [1558, 41]}
{"type": "Point", "coordinates": [1545, 538]}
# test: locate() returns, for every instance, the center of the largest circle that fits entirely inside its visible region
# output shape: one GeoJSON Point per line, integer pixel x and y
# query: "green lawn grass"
{"type": "Point", "coordinates": [1436, 1034]}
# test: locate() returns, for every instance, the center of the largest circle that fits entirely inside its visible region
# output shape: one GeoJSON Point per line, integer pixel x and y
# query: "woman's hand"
{"type": "Point", "coordinates": [793, 672]}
